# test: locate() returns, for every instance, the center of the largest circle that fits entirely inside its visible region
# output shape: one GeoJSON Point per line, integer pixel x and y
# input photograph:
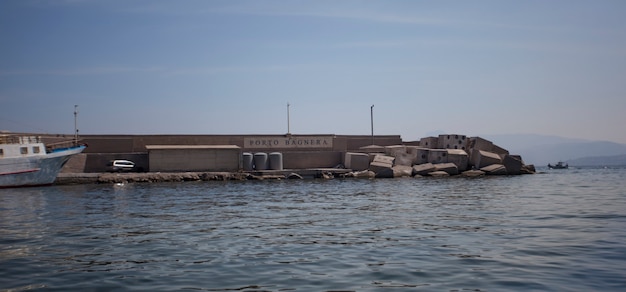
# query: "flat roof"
{"type": "Point", "coordinates": [174, 147]}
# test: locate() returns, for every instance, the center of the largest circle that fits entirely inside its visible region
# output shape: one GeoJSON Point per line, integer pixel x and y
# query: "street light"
{"type": "Point", "coordinates": [288, 130]}
{"type": "Point", "coordinates": [75, 124]}
{"type": "Point", "coordinates": [372, 119]}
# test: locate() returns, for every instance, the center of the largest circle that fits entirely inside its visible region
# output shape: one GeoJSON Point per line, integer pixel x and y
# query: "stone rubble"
{"type": "Point", "coordinates": [445, 155]}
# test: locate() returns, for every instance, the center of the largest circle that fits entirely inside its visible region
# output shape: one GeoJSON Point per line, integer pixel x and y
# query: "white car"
{"type": "Point", "coordinates": [121, 165]}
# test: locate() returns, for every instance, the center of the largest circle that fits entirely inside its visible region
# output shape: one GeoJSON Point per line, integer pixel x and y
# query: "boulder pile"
{"type": "Point", "coordinates": [445, 155]}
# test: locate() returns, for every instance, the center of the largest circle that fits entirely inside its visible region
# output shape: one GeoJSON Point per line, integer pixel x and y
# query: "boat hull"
{"type": "Point", "coordinates": [34, 170]}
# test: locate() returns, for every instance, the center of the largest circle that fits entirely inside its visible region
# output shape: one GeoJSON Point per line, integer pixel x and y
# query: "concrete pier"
{"type": "Point", "coordinates": [95, 178]}
{"type": "Point", "coordinates": [245, 157]}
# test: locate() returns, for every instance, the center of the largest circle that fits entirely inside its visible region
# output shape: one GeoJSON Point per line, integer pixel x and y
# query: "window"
{"type": "Point", "coordinates": [36, 149]}
{"type": "Point", "coordinates": [24, 150]}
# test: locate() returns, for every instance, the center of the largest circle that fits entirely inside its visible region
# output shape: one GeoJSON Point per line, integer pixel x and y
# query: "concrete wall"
{"type": "Point", "coordinates": [317, 159]}
{"type": "Point", "coordinates": [200, 158]}
{"type": "Point", "coordinates": [137, 143]}
{"type": "Point", "coordinates": [97, 162]}
{"type": "Point", "coordinates": [103, 148]}
{"type": "Point", "coordinates": [354, 143]}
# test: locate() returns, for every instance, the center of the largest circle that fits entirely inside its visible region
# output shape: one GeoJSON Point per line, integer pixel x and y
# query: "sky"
{"type": "Point", "coordinates": [479, 67]}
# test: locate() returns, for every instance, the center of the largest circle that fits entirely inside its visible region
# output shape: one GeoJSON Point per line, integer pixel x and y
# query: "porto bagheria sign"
{"type": "Point", "coordinates": [278, 142]}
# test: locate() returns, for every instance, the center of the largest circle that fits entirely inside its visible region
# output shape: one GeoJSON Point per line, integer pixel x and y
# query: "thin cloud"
{"type": "Point", "coordinates": [81, 71]}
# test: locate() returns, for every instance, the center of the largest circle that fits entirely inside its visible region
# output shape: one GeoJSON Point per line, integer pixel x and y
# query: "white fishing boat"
{"type": "Point", "coordinates": [558, 165]}
{"type": "Point", "coordinates": [27, 161]}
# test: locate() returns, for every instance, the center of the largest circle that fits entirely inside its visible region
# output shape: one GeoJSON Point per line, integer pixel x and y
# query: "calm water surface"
{"type": "Point", "coordinates": [559, 230]}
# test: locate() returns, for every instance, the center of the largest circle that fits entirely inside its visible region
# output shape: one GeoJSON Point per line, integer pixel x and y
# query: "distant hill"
{"type": "Point", "coordinates": [599, 160]}
{"type": "Point", "coordinates": [541, 150]}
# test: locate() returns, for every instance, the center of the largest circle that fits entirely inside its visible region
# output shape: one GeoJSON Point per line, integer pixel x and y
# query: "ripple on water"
{"type": "Point", "coordinates": [549, 232]}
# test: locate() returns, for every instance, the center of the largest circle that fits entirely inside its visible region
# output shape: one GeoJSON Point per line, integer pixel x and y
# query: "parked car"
{"type": "Point", "coordinates": [121, 165]}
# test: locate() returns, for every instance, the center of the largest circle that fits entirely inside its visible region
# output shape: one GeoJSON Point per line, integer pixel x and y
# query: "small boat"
{"type": "Point", "coordinates": [27, 161]}
{"type": "Point", "coordinates": [558, 165]}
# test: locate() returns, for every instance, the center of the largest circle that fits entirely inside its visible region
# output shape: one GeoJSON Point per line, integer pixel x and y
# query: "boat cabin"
{"type": "Point", "coordinates": [20, 146]}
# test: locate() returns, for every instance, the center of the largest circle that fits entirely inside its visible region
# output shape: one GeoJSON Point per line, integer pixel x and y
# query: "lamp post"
{"type": "Point", "coordinates": [372, 119]}
{"type": "Point", "coordinates": [75, 124]}
{"type": "Point", "coordinates": [288, 130]}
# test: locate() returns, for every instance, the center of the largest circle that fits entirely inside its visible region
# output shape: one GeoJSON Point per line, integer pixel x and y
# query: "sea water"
{"type": "Point", "coordinates": [558, 230]}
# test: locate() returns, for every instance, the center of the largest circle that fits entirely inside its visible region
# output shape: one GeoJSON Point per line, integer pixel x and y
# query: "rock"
{"type": "Point", "coordinates": [384, 173]}
{"type": "Point", "coordinates": [438, 173]}
{"type": "Point", "coordinates": [402, 171]}
{"type": "Point", "coordinates": [190, 176]}
{"type": "Point", "coordinates": [423, 169]}
{"type": "Point", "coordinates": [528, 169]}
{"type": "Point", "coordinates": [449, 168]}
{"type": "Point", "coordinates": [364, 174]}
{"type": "Point", "coordinates": [294, 175]}
{"type": "Point", "coordinates": [473, 173]}
{"type": "Point", "coordinates": [326, 175]}
{"type": "Point", "coordinates": [494, 169]}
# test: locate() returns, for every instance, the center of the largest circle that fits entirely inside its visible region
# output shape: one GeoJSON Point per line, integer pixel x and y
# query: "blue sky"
{"type": "Point", "coordinates": [231, 67]}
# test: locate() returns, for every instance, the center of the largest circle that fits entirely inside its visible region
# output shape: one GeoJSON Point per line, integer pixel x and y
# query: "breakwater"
{"type": "Point", "coordinates": [149, 177]}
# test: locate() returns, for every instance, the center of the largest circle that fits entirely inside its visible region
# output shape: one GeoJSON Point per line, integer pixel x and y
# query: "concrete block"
{"type": "Point", "coordinates": [393, 150]}
{"type": "Point", "coordinates": [380, 162]}
{"type": "Point", "coordinates": [450, 168]}
{"type": "Point", "coordinates": [494, 169]}
{"type": "Point", "coordinates": [528, 169]}
{"type": "Point", "coordinates": [437, 156]}
{"type": "Point", "coordinates": [404, 159]}
{"type": "Point", "coordinates": [482, 158]}
{"type": "Point", "coordinates": [513, 164]}
{"type": "Point", "coordinates": [372, 149]}
{"type": "Point", "coordinates": [364, 174]}
{"type": "Point", "coordinates": [429, 142]}
{"type": "Point", "coordinates": [459, 157]}
{"type": "Point", "coordinates": [423, 169]}
{"type": "Point", "coordinates": [439, 173]}
{"type": "Point", "coordinates": [473, 173]}
{"type": "Point", "coordinates": [384, 159]}
{"type": "Point", "coordinates": [499, 150]}
{"type": "Point", "coordinates": [452, 141]}
{"type": "Point", "coordinates": [402, 171]}
{"type": "Point", "coordinates": [418, 154]}
{"type": "Point", "coordinates": [382, 169]}
{"type": "Point", "coordinates": [478, 143]}
{"type": "Point", "coordinates": [356, 161]}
